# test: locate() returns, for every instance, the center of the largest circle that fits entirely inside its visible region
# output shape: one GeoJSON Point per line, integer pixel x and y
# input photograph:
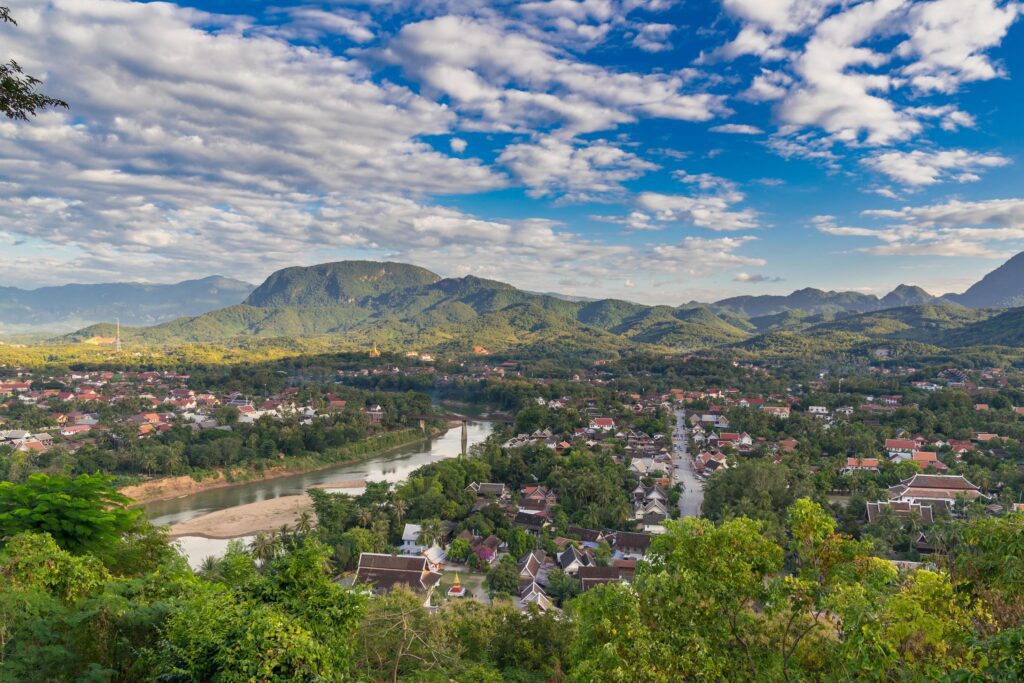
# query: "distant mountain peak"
{"type": "Point", "coordinates": [337, 282]}
{"type": "Point", "coordinates": [906, 295]}
{"type": "Point", "coordinates": [1002, 288]}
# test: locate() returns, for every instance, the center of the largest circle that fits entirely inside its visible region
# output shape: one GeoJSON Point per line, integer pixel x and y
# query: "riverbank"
{"type": "Point", "coordinates": [246, 520]}
{"type": "Point", "coordinates": [167, 488]}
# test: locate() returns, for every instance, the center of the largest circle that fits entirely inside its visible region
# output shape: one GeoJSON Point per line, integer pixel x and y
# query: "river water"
{"type": "Point", "coordinates": [393, 467]}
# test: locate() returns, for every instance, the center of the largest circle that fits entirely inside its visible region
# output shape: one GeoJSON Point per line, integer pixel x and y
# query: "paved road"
{"type": "Point", "coordinates": [693, 488]}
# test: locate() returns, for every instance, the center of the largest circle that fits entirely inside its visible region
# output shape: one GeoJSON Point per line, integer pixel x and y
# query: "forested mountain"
{"type": "Point", "coordinates": [811, 301]}
{"type": "Point", "coordinates": [69, 306]}
{"type": "Point", "coordinates": [400, 306]}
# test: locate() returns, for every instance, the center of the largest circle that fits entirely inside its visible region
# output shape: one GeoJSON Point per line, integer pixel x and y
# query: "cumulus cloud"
{"type": "Point", "coordinates": [698, 256]}
{"type": "Point", "coordinates": [737, 129]}
{"type": "Point", "coordinates": [654, 37]}
{"type": "Point", "coordinates": [920, 168]}
{"type": "Point", "coordinates": [576, 170]}
{"type": "Point", "coordinates": [831, 67]}
{"type": "Point", "coordinates": [988, 229]}
{"type": "Point", "coordinates": [508, 81]}
{"type": "Point", "coordinates": [709, 211]}
{"type": "Point", "coordinates": [947, 42]}
{"type": "Point", "coordinates": [754, 278]}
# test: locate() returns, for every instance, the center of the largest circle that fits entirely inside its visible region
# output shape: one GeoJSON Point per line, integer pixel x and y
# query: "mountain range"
{"type": "Point", "coordinates": [68, 307]}
{"type": "Point", "coordinates": [401, 306]}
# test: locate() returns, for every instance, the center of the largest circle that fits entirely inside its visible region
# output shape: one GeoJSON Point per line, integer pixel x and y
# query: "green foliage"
{"type": "Point", "coordinates": [81, 513]}
{"type": "Point", "coordinates": [503, 578]}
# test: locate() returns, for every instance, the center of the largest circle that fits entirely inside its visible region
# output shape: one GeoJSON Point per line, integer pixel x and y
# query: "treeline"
{"type": "Point", "coordinates": [329, 437]}
{"type": "Point", "coordinates": [113, 602]}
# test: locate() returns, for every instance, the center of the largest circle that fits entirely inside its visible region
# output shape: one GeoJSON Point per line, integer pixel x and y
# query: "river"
{"type": "Point", "coordinates": [393, 467]}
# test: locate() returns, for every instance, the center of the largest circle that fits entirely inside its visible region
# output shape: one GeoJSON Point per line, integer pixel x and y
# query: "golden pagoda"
{"type": "Point", "coordinates": [374, 353]}
{"type": "Point", "coordinates": [456, 591]}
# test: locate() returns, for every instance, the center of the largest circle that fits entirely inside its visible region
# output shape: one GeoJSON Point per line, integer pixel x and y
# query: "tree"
{"type": "Point", "coordinates": [430, 532]}
{"type": "Point", "coordinates": [265, 547]}
{"type": "Point", "coordinates": [459, 550]}
{"type": "Point", "coordinates": [81, 514]}
{"type": "Point", "coordinates": [304, 524]}
{"type": "Point", "coordinates": [398, 639]}
{"type": "Point", "coordinates": [562, 587]}
{"type": "Point", "coordinates": [520, 543]}
{"type": "Point", "coordinates": [504, 577]}
{"type": "Point", "coordinates": [19, 97]}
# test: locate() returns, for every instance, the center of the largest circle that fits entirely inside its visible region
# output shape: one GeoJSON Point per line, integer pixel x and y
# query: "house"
{"type": "Point", "coordinates": [383, 572]}
{"type": "Point", "coordinates": [411, 540]}
{"type": "Point", "coordinates": [630, 544]}
{"type": "Point", "coordinates": [780, 412]}
{"type": "Point", "coordinates": [595, 576]}
{"type": "Point", "coordinates": [894, 446]}
{"type": "Point", "coordinates": [375, 413]}
{"type": "Point", "coordinates": [861, 465]}
{"type": "Point", "coordinates": [531, 567]}
{"type": "Point", "coordinates": [602, 424]}
{"type": "Point", "coordinates": [589, 538]}
{"type": "Point", "coordinates": [935, 489]}
{"type": "Point", "coordinates": [571, 559]}
{"type": "Point", "coordinates": [928, 459]}
{"type": "Point", "coordinates": [536, 499]}
{"type": "Point", "coordinates": [533, 594]}
{"type": "Point", "coordinates": [877, 511]}
{"type": "Point", "coordinates": [533, 523]}
{"type": "Point", "coordinates": [817, 411]}
{"type": "Point", "coordinates": [733, 439]}
{"type": "Point", "coordinates": [488, 490]}
{"type": "Point", "coordinates": [74, 430]}
{"type": "Point", "coordinates": [436, 557]}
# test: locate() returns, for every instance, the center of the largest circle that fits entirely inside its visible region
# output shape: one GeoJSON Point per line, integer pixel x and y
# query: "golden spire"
{"type": "Point", "coordinates": [456, 584]}
{"type": "Point", "coordinates": [374, 353]}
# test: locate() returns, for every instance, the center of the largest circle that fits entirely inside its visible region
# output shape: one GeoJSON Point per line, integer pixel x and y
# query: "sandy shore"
{"type": "Point", "coordinates": [245, 520]}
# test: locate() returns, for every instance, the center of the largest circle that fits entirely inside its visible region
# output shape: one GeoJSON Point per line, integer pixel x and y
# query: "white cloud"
{"type": "Point", "coordinates": [985, 229]}
{"type": "Point", "coordinates": [831, 67]}
{"type": "Point", "coordinates": [705, 211]}
{"type": "Point", "coordinates": [737, 129]}
{"type": "Point", "coordinates": [654, 37]}
{"type": "Point", "coordinates": [458, 145]}
{"type": "Point", "coordinates": [698, 256]}
{"type": "Point", "coordinates": [920, 168]}
{"type": "Point", "coordinates": [505, 80]}
{"type": "Point", "coordinates": [310, 23]}
{"type": "Point", "coordinates": [579, 171]}
{"type": "Point", "coordinates": [947, 40]}
{"type": "Point", "coordinates": [754, 278]}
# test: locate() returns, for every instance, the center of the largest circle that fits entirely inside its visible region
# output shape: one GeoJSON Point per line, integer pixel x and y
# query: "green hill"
{"type": "Point", "coordinates": [346, 282]}
{"type": "Point", "coordinates": [400, 306]}
{"type": "Point", "coordinates": [926, 323]}
{"type": "Point", "coordinates": [355, 304]}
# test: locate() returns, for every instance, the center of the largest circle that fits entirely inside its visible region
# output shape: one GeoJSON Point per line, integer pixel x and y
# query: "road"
{"type": "Point", "coordinates": [692, 495]}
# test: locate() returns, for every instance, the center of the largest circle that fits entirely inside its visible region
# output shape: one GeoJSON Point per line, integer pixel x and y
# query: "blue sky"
{"type": "Point", "coordinates": [653, 150]}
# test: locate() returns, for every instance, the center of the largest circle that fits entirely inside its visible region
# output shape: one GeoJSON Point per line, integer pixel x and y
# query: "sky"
{"type": "Point", "coordinates": [654, 150]}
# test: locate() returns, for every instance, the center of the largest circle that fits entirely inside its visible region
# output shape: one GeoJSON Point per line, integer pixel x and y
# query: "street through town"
{"type": "Point", "coordinates": [692, 495]}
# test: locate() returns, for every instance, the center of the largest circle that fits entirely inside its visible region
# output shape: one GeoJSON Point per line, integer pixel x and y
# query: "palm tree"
{"type": "Point", "coordinates": [285, 536]}
{"type": "Point", "coordinates": [430, 532]}
{"type": "Point", "coordinates": [304, 524]}
{"type": "Point", "coordinates": [209, 565]}
{"type": "Point", "coordinates": [398, 509]}
{"type": "Point", "coordinates": [263, 547]}
{"type": "Point", "coordinates": [365, 517]}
